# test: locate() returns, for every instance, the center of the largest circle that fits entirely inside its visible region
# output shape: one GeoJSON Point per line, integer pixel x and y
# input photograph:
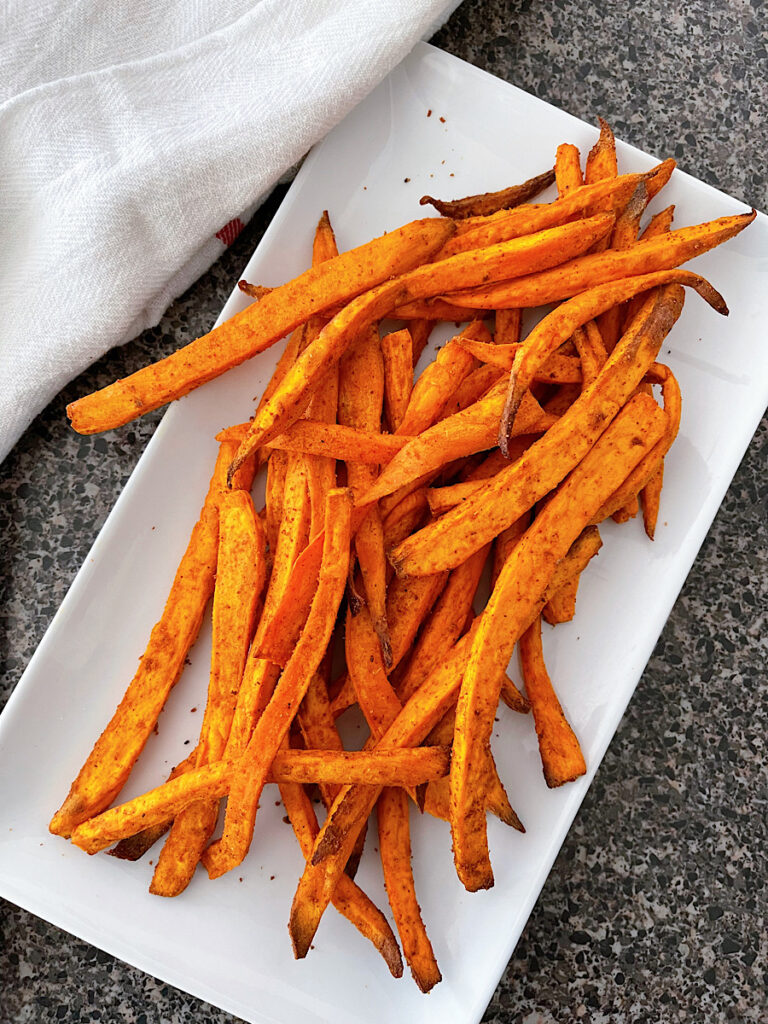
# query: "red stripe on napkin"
{"type": "Point", "coordinates": [230, 231]}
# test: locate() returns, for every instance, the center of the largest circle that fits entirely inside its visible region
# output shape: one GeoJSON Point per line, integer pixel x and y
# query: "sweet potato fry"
{"type": "Point", "coordinates": [420, 331]}
{"type": "Point", "coordinates": [260, 325]}
{"type": "Point", "coordinates": [491, 202]}
{"type": "Point", "coordinates": [321, 466]}
{"type": "Point", "coordinates": [475, 429]}
{"type": "Point", "coordinates": [397, 350]}
{"type": "Point", "coordinates": [348, 899]}
{"type": "Point", "coordinates": [626, 512]}
{"type": "Point", "coordinates": [645, 469]}
{"type": "Point", "coordinates": [273, 724]}
{"type": "Point", "coordinates": [344, 698]}
{"type": "Point", "coordinates": [546, 337]}
{"type": "Point", "coordinates": [445, 623]}
{"type": "Point", "coordinates": [419, 716]}
{"type": "Point", "coordinates": [443, 499]}
{"type": "Point", "coordinates": [475, 385]}
{"type": "Point", "coordinates": [497, 262]}
{"type": "Point", "coordinates": [134, 847]}
{"type": "Point", "coordinates": [240, 576]}
{"type": "Point", "coordinates": [494, 795]}
{"type": "Point", "coordinates": [519, 593]}
{"type": "Point", "coordinates": [277, 469]}
{"type": "Point", "coordinates": [386, 767]}
{"type": "Point", "coordinates": [332, 440]}
{"type": "Point", "coordinates": [624, 234]}
{"type": "Point", "coordinates": [561, 756]}
{"type": "Point", "coordinates": [405, 517]}
{"type": "Point", "coordinates": [591, 350]}
{"type": "Point", "coordinates": [431, 310]}
{"type": "Point", "coordinates": [478, 232]}
{"type": "Point", "coordinates": [509, 324]}
{"type": "Point", "coordinates": [650, 497]}
{"type": "Point", "coordinates": [558, 369]}
{"type": "Point", "coordinates": [450, 540]}
{"type": "Point", "coordinates": [644, 257]}
{"type": "Point", "coordinates": [260, 674]}
{"type": "Point", "coordinates": [395, 849]}
{"type": "Point", "coordinates": [601, 160]}
{"type": "Point", "coordinates": [658, 225]}
{"type": "Point", "coordinates": [409, 601]}
{"type": "Point", "coordinates": [439, 381]}
{"type": "Point", "coordinates": [561, 607]}
{"type": "Point", "coordinates": [368, 673]}
{"type": "Point", "coordinates": [568, 169]}
{"type": "Point", "coordinates": [318, 728]}
{"type": "Point", "coordinates": [110, 762]}
{"type": "Point", "coordinates": [361, 398]}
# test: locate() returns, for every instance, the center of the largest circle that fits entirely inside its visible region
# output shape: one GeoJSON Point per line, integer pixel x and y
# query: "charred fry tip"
{"type": "Point", "coordinates": [390, 951]}
{"type": "Point", "coordinates": [427, 200]}
{"type": "Point", "coordinates": [300, 942]}
{"type": "Point", "coordinates": [421, 796]}
{"type": "Point", "coordinates": [509, 817]}
{"type": "Point", "coordinates": [507, 422]}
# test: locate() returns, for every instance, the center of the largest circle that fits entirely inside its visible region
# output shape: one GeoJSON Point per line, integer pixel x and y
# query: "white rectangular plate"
{"type": "Point", "coordinates": [226, 941]}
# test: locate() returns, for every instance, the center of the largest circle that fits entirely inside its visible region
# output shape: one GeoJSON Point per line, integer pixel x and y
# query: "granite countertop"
{"type": "Point", "coordinates": [655, 908]}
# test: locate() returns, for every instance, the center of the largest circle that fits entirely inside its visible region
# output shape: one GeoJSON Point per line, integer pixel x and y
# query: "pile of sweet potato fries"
{"type": "Point", "coordinates": [385, 500]}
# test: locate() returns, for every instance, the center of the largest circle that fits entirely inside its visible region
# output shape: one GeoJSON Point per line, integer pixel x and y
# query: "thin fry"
{"type": "Point", "coordinates": [240, 576]}
{"type": "Point", "coordinates": [113, 756]}
{"type": "Point", "coordinates": [561, 756]}
{"type": "Point", "coordinates": [259, 326]}
{"type": "Point", "coordinates": [277, 715]}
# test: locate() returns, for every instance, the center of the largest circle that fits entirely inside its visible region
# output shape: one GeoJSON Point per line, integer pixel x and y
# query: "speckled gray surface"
{"type": "Point", "coordinates": [655, 908]}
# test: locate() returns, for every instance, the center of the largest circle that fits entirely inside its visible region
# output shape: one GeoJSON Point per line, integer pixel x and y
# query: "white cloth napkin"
{"type": "Point", "coordinates": [132, 134]}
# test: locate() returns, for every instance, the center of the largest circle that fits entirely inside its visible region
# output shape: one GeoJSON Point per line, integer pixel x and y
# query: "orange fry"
{"type": "Point", "coordinates": [561, 607]}
{"type": "Point", "coordinates": [240, 576]}
{"type": "Point", "coordinates": [561, 756]}
{"type": "Point", "coordinates": [259, 326]}
{"type": "Point", "coordinates": [114, 754]}
{"type": "Point", "coordinates": [348, 899]}
{"type": "Point", "coordinates": [386, 767]}
{"type": "Point", "coordinates": [509, 324]}
{"type": "Point", "coordinates": [601, 160]}
{"type": "Point", "coordinates": [420, 330]}
{"type": "Point", "coordinates": [568, 168]}
{"type": "Point", "coordinates": [643, 472]}
{"type": "Point", "coordinates": [439, 381]}
{"type": "Point", "coordinates": [478, 232]}
{"type": "Point", "coordinates": [275, 720]}
{"type": "Point", "coordinates": [361, 398]}
{"type": "Point", "coordinates": [472, 430]}
{"type": "Point", "coordinates": [651, 498]}
{"type": "Point", "coordinates": [444, 625]}
{"type": "Point", "coordinates": [395, 849]}
{"type": "Point", "coordinates": [644, 257]}
{"type": "Point", "coordinates": [519, 594]}
{"type": "Point", "coordinates": [397, 350]}
{"type": "Point", "coordinates": [331, 440]}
